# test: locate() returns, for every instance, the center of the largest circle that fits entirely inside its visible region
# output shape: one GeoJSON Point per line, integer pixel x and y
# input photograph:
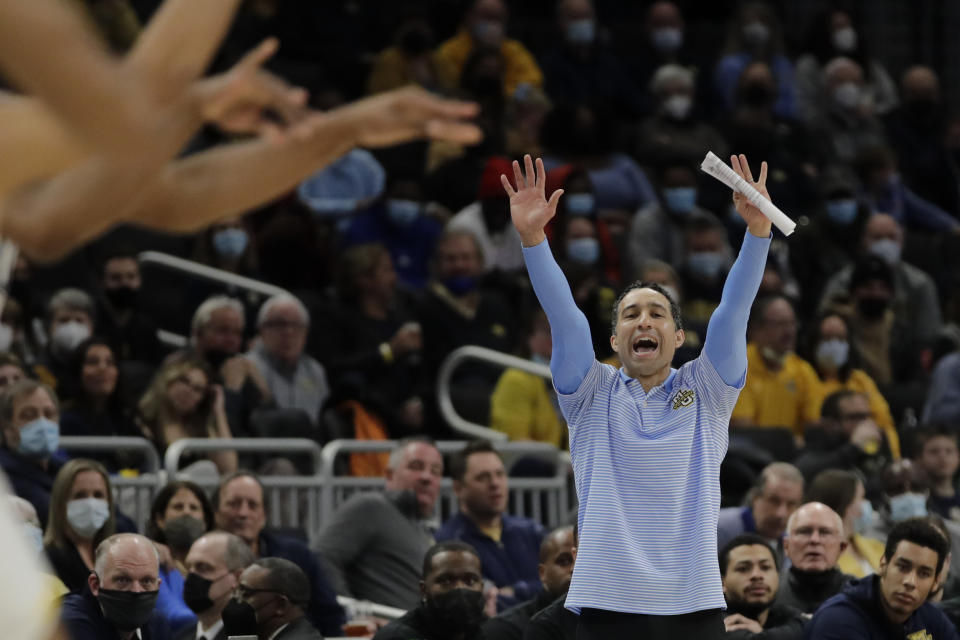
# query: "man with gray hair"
{"type": "Point", "coordinates": [813, 542]}
{"type": "Point", "coordinates": [217, 338]}
{"type": "Point", "coordinates": [295, 380]}
{"type": "Point", "coordinates": [70, 319]}
{"type": "Point", "coordinates": [120, 594]}
{"type": "Point", "coordinates": [775, 496]}
{"type": "Point", "coordinates": [375, 543]}
{"type": "Point", "coordinates": [215, 562]}
{"type": "Point", "coordinates": [270, 603]}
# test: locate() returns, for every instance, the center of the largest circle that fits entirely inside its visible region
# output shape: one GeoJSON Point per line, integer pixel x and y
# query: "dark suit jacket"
{"type": "Point", "coordinates": [299, 630]}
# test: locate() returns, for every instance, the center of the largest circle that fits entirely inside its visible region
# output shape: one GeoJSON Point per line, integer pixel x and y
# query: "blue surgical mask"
{"type": "Point", "coordinates": [460, 285]}
{"type": "Point", "coordinates": [580, 204]}
{"type": "Point", "coordinates": [842, 212]}
{"type": "Point", "coordinates": [833, 353]}
{"type": "Point", "coordinates": [863, 524]}
{"type": "Point", "coordinates": [582, 31]}
{"type": "Point", "coordinates": [539, 359]}
{"type": "Point", "coordinates": [667, 39]}
{"type": "Point", "coordinates": [706, 264]}
{"type": "Point", "coordinates": [39, 438]}
{"type": "Point", "coordinates": [34, 536]}
{"type": "Point", "coordinates": [230, 243]}
{"type": "Point", "coordinates": [583, 250]}
{"type": "Point", "coordinates": [908, 505]}
{"type": "Point", "coordinates": [87, 515]}
{"type": "Point", "coordinates": [887, 249]}
{"type": "Point", "coordinates": [403, 212]}
{"type": "Point", "coordinates": [680, 199]}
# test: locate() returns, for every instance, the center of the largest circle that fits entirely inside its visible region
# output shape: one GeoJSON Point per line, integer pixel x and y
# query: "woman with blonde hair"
{"type": "Point", "coordinates": [82, 515]}
{"type": "Point", "coordinates": [182, 403]}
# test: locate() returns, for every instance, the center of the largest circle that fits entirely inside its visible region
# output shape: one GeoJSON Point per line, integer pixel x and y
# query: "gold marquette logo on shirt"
{"type": "Point", "coordinates": [683, 399]}
{"type": "Point", "coordinates": [920, 635]}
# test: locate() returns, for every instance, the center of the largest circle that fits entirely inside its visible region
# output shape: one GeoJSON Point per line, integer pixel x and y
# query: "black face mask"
{"type": "Point", "coordinates": [196, 593]}
{"type": "Point", "coordinates": [872, 308]}
{"type": "Point", "coordinates": [216, 357]}
{"type": "Point", "coordinates": [127, 610]}
{"type": "Point", "coordinates": [122, 297]}
{"type": "Point", "coordinates": [239, 619]}
{"type": "Point", "coordinates": [757, 94]}
{"type": "Point", "coordinates": [183, 531]}
{"type": "Point", "coordinates": [455, 611]}
{"type": "Point", "coordinates": [485, 86]}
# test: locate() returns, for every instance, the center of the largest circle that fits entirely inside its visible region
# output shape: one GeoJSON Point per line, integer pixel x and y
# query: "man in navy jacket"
{"type": "Point", "coordinates": [892, 604]}
{"type": "Point", "coordinates": [508, 546]}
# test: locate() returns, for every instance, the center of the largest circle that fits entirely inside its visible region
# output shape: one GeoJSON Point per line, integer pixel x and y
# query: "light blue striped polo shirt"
{"type": "Point", "coordinates": [647, 465]}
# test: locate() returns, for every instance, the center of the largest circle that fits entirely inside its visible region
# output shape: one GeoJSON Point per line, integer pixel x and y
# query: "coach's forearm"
{"type": "Point", "coordinates": [726, 344]}
{"type": "Point", "coordinates": [199, 190]}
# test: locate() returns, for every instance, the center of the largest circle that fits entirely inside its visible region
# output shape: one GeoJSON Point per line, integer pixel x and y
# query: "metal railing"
{"type": "Point", "coordinates": [292, 501]}
{"type": "Point", "coordinates": [133, 495]}
{"type": "Point", "coordinates": [365, 609]}
{"type": "Point", "coordinates": [543, 499]}
{"type": "Point", "coordinates": [489, 356]}
{"type": "Point", "coordinates": [203, 272]}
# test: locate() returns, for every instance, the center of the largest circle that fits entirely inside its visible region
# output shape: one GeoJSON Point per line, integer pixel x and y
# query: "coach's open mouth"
{"type": "Point", "coordinates": [645, 346]}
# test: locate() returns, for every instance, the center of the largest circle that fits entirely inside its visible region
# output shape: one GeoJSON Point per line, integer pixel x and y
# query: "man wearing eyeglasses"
{"type": "Point", "coordinates": [813, 542]}
{"type": "Point", "coordinates": [270, 603]}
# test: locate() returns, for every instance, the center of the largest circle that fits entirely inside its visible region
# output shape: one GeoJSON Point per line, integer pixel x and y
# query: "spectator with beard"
{"type": "Point", "coordinates": [782, 389]}
{"type": "Point", "coordinates": [893, 603]}
{"type": "Point", "coordinates": [813, 542]}
{"type": "Point", "coordinates": [132, 333]}
{"type": "Point", "coordinates": [451, 598]}
{"type": "Point", "coordinates": [836, 363]}
{"type": "Point", "coordinates": [557, 554]}
{"type": "Point", "coordinates": [674, 134]}
{"type": "Point", "coordinates": [180, 514]}
{"type": "Point", "coordinates": [485, 25]}
{"type": "Point", "coordinates": [847, 437]}
{"type": "Point", "coordinates": [748, 568]}
{"type": "Point", "coordinates": [936, 453]}
{"type": "Point", "coordinates": [916, 131]}
{"type": "Point", "coordinates": [70, 321]}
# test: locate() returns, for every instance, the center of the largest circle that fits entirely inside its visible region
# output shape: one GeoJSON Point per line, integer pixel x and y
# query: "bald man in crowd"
{"type": "Point", "coordinates": [120, 594]}
{"type": "Point", "coordinates": [813, 542]}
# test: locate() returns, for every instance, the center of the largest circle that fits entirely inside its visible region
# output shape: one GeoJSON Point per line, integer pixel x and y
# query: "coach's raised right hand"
{"type": "Point", "coordinates": [529, 207]}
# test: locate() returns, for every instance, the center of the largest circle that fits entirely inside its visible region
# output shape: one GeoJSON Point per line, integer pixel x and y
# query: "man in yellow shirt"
{"type": "Point", "coordinates": [782, 389]}
{"type": "Point", "coordinates": [485, 25]}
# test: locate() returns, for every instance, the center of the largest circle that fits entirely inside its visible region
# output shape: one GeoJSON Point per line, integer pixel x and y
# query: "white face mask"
{"type": "Point", "coordinates": [844, 40]}
{"type": "Point", "coordinates": [87, 515]}
{"type": "Point", "coordinates": [68, 335]}
{"type": "Point", "coordinates": [848, 95]}
{"type": "Point", "coordinates": [6, 337]}
{"type": "Point", "coordinates": [677, 106]}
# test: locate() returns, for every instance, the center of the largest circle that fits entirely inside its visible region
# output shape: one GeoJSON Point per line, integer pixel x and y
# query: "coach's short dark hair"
{"type": "Point", "coordinates": [443, 547]}
{"type": "Point", "coordinates": [286, 578]}
{"type": "Point", "coordinates": [674, 307]}
{"type": "Point", "coordinates": [921, 533]}
{"type": "Point", "coordinates": [744, 540]}
{"type": "Point", "coordinates": [458, 461]}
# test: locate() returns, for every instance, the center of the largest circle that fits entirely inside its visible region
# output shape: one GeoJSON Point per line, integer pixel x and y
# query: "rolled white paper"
{"type": "Point", "coordinates": [718, 169]}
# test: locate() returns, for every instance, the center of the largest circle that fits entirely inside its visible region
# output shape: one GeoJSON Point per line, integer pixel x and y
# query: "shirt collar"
{"type": "Point", "coordinates": [211, 632]}
{"type": "Point", "coordinates": [277, 632]}
{"type": "Point", "coordinates": [667, 384]}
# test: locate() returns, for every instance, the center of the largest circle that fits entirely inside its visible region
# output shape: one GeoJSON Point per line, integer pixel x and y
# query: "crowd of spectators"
{"type": "Point", "coordinates": [844, 442]}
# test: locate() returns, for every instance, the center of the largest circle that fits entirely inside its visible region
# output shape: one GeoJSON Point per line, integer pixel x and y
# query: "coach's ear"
{"type": "Point", "coordinates": [680, 338]}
